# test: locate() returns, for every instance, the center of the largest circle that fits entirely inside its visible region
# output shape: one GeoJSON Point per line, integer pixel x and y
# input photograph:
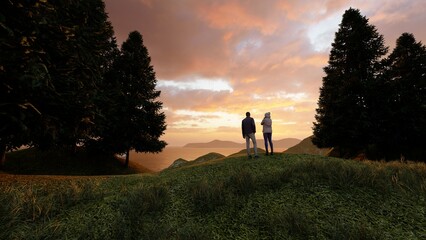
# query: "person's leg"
{"type": "Point", "coordinates": [270, 143]}
{"type": "Point", "coordinates": [253, 139]}
{"type": "Point", "coordinates": [265, 139]}
{"type": "Point", "coordinates": [248, 145]}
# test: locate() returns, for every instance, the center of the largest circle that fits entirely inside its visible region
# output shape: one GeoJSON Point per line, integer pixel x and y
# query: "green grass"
{"type": "Point", "coordinates": [283, 196]}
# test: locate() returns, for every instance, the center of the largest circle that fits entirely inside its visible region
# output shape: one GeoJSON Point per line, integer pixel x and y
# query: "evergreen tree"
{"type": "Point", "coordinates": [53, 56]}
{"type": "Point", "coordinates": [344, 105]}
{"type": "Point", "coordinates": [23, 70]}
{"type": "Point", "coordinates": [406, 77]}
{"type": "Point", "coordinates": [79, 49]}
{"type": "Point", "coordinates": [133, 118]}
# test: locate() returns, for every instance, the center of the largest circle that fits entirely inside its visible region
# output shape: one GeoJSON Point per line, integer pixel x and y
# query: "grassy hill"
{"type": "Point", "coordinates": [281, 143]}
{"type": "Point", "coordinates": [207, 157]}
{"type": "Point", "coordinates": [35, 162]}
{"type": "Point", "coordinates": [307, 147]}
{"type": "Point", "coordinates": [285, 196]}
{"type": "Point", "coordinates": [214, 144]}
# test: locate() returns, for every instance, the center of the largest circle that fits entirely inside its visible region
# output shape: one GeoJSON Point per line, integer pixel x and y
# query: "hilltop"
{"type": "Point", "coordinates": [307, 147]}
{"type": "Point", "coordinates": [205, 158]}
{"type": "Point", "coordinates": [282, 143]}
{"type": "Point", "coordinates": [214, 144]}
{"type": "Point", "coordinates": [285, 196]}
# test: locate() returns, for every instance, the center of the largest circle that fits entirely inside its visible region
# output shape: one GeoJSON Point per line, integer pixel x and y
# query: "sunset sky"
{"type": "Point", "coordinates": [216, 60]}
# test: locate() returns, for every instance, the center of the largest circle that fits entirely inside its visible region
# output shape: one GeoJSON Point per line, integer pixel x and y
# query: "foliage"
{"type": "Point", "coordinates": [371, 105]}
{"type": "Point", "coordinates": [85, 58]}
{"type": "Point", "coordinates": [347, 94]}
{"type": "Point", "coordinates": [23, 72]}
{"type": "Point", "coordinates": [132, 119]}
{"type": "Point", "coordinates": [405, 107]}
{"type": "Point", "coordinates": [65, 83]}
{"type": "Point", "coordinates": [288, 197]}
{"type": "Point", "coordinates": [53, 57]}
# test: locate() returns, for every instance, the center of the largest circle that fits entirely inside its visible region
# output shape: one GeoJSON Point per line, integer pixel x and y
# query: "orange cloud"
{"type": "Point", "coordinates": [234, 15]}
{"type": "Point", "coordinates": [267, 52]}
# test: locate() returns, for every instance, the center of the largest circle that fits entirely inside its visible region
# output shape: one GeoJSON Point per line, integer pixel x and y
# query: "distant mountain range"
{"type": "Point", "coordinates": [282, 143]}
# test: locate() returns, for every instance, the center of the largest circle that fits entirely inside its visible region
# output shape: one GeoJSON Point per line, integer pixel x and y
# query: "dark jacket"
{"type": "Point", "coordinates": [248, 126]}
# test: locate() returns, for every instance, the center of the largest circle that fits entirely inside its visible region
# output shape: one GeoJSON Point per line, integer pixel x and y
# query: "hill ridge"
{"type": "Point", "coordinates": [281, 143]}
{"type": "Point", "coordinates": [307, 147]}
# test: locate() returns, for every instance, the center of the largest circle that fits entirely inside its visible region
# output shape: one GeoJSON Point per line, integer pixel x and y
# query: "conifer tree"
{"type": "Point", "coordinates": [406, 77]}
{"type": "Point", "coordinates": [133, 118]}
{"type": "Point", "coordinates": [342, 119]}
{"type": "Point", "coordinates": [53, 54]}
{"type": "Point", "coordinates": [79, 56]}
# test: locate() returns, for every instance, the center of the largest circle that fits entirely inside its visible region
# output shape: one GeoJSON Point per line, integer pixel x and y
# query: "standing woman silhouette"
{"type": "Point", "coordinates": [267, 132]}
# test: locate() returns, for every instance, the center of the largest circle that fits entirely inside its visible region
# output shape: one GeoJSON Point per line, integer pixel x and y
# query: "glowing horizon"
{"type": "Point", "coordinates": [216, 60]}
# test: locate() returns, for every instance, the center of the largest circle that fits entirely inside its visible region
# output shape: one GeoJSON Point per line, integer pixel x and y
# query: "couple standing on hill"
{"type": "Point", "coordinates": [248, 128]}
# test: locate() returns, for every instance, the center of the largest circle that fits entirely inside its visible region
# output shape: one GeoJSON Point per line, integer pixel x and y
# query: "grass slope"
{"type": "Point", "coordinates": [60, 162]}
{"type": "Point", "coordinates": [207, 157]}
{"type": "Point", "coordinates": [307, 147]}
{"type": "Point", "coordinates": [285, 196]}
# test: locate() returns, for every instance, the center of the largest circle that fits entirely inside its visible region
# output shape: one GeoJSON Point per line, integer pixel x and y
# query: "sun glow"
{"type": "Point", "coordinates": [214, 84]}
{"type": "Point", "coordinates": [215, 60]}
{"type": "Point", "coordinates": [212, 120]}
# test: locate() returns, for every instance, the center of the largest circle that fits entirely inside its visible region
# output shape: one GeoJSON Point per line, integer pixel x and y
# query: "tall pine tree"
{"type": "Point", "coordinates": [133, 117]}
{"type": "Point", "coordinates": [53, 54]}
{"type": "Point", "coordinates": [79, 47]}
{"type": "Point", "coordinates": [405, 77]}
{"type": "Point", "coordinates": [24, 70]}
{"type": "Point", "coordinates": [342, 119]}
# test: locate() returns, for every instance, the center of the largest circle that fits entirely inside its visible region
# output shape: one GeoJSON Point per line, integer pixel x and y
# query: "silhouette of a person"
{"type": "Point", "coordinates": [267, 132]}
{"type": "Point", "coordinates": [248, 128]}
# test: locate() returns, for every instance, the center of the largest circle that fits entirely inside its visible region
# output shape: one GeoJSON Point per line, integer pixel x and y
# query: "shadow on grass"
{"type": "Point", "coordinates": [62, 162]}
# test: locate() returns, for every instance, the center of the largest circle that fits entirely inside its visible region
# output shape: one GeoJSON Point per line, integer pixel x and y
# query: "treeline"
{"type": "Point", "coordinates": [370, 103]}
{"type": "Point", "coordinates": [65, 83]}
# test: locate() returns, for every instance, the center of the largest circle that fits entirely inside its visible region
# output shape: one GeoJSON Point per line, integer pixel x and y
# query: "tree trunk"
{"type": "Point", "coordinates": [2, 155]}
{"type": "Point", "coordinates": [126, 164]}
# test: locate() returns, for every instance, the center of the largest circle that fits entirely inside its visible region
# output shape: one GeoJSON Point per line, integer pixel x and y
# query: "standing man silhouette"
{"type": "Point", "coordinates": [248, 128]}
